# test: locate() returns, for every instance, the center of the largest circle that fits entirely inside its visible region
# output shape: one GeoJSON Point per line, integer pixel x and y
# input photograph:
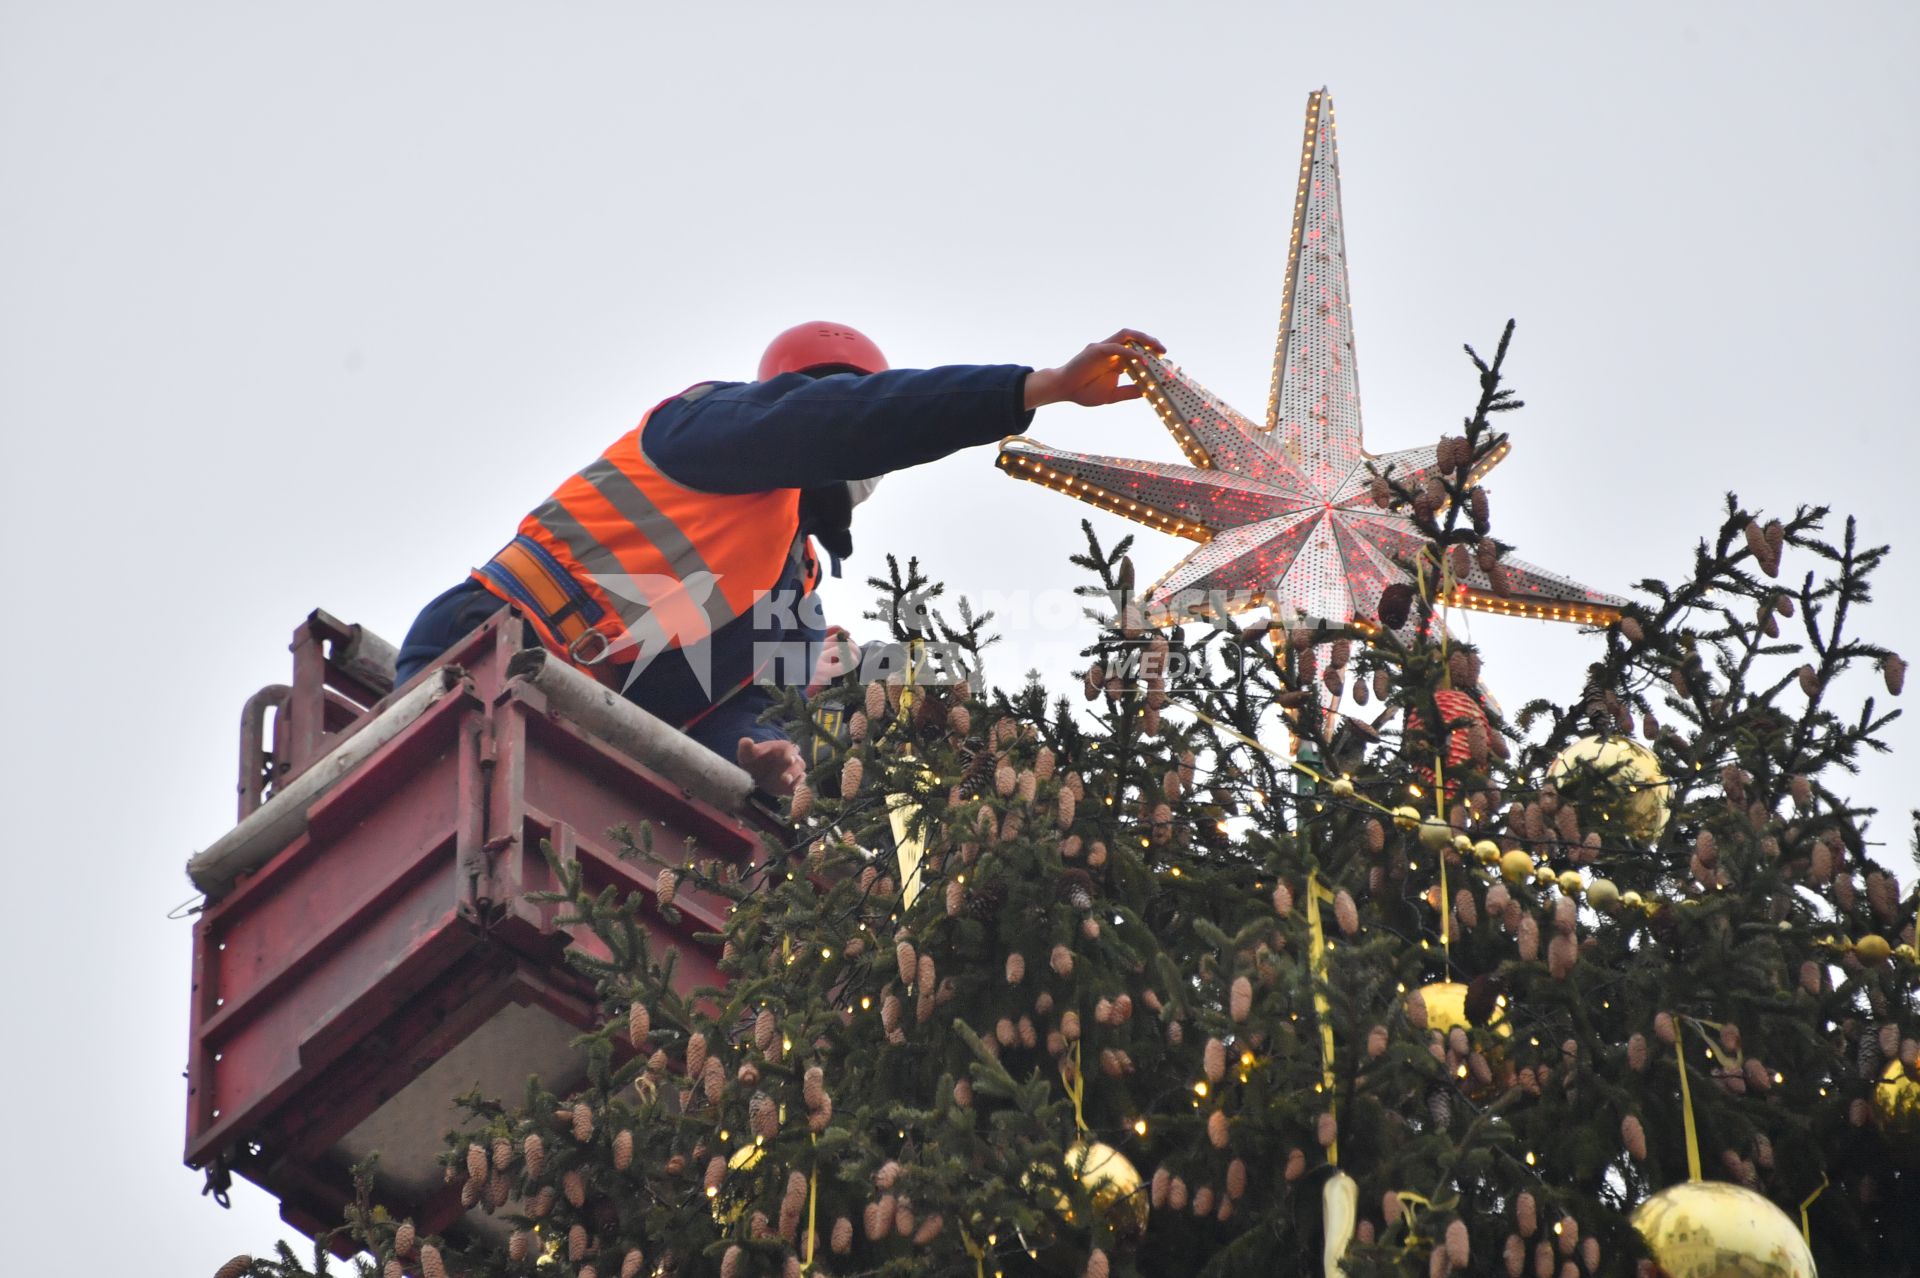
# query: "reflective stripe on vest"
{"type": "Point", "coordinates": [668, 565]}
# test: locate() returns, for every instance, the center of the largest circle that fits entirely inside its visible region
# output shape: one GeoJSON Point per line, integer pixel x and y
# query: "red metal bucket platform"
{"type": "Point", "coordinates": [368, 951]}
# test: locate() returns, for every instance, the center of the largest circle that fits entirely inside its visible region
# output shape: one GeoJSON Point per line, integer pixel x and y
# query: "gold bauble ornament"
{"type": "Point", "coordinates": [1112, 1182]}
{"type": "Point", "coordinates": [1406, 818]}
{"type": "Point", "coordinates": [1341, 787]}
{"type": "Point", "coordinates": [1516, 865]}
{"type": "Point", "coordinates": [1569, 881]}
{"type": "Point", "coordinates": [728, 1207]}
{"type": "Point", "coordinates": [1446, 1003]}
{"type": "Point", "coordinates": [1486, 852]}
{"type": "Point", "coordinates": [1710, 1229]}
{"type": "Point", "coordinates": [1624, 770]}
{"type": "Point", "coordinates": [1603, 894]}
{"type": "Point", "coordinates": [1872, 950]}
{"type": "Point", "coordinates": [1896, 1107]}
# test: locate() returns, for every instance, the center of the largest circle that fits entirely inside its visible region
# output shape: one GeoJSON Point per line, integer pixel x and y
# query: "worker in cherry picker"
{"type": "Point", "coordinates": [672, 565]}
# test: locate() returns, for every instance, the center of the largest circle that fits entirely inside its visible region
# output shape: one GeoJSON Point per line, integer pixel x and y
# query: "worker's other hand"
{"type": "Point", "coordinates": [1092, 377]}
{"type": "Point", "coordinates": [775, 766]}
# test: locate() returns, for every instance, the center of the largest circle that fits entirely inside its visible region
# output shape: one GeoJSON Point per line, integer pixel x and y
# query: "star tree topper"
{"type": "Point", "coordinates": [1283, 513]}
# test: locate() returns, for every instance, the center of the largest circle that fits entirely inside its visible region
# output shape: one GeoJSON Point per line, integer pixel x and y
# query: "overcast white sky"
{"type": "Point", "coordinates": [305, 305]}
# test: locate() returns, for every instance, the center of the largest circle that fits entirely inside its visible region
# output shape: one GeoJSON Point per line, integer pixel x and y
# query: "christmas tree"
{"type": "Point", "coordinates": [1286, 950]}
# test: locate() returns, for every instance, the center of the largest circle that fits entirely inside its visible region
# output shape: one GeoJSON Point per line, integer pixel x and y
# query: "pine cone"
{"type": "Point", "coordinates": [623, 1151]}
{"type": "Point", "coordinates": [1894, 670]}
{"type": "Point", "coordinates": [1345, 913]}
{"type": "Point", "coordinates": [905, 960]}
{"type": "Point", "coordinates": [582, 1122]}
{"type": "Point", "coordinates": [665, 886]}
{"type": "Point", "coordinates": [1634, 1137]}
{"type": "Point", "coordinates": [431, 1266]}
{"type": "Point", "coordinates": [763, 1119]}
{"type": "Point", "coordinates": [1526, 1214]}
{"type": "Point", "coordinates": [519, 1246]}
{"type": "Point", "coordinates": [851, 773]}
{"type": "Point", "coordinates": [1457, 1244]}
{"type": "Point", "coordinates": [574, 1186]}
{"type": "Point", "coordinates": [802, 801]}
{"type": "Point", "coordinates": [1004, 779]}
{"type": "Point", "coordinates": [1396, 604]}
{"type": "Point", "coordinates": [632, 1263]}
{"type": "Point", "coordinates": [1240, 999]}
{"type": "Point", "coordinates": [890, 1008]}
{"type": "Point", "coordinates": [234, 1268]}
{"type": "Point", "coordinates": [1477, 510]}
{"type": "Point", "coordinates": [792, 1203]}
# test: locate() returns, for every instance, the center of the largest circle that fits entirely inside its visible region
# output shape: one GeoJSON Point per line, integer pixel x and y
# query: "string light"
{"type": "Point", "coordinates": [1022, 466]}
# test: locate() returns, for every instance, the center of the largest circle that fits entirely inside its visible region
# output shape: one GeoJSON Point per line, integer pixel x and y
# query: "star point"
{"type": "Point", "coordinates": [1284, 511]}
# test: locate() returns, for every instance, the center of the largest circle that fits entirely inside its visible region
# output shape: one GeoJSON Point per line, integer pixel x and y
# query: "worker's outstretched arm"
{"type": "Point", "coordinates": [795, 431]}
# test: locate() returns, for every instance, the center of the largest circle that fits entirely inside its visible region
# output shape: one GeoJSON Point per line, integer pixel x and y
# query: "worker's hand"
{"type": "Point", "coordinates": [838, 656]}
{"type": "Point", "coordinates": [1093, 376]}
{"type": "Point", "coordinates": [775, 766]}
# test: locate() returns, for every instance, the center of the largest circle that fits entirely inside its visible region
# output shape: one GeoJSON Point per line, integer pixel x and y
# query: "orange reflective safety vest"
{"type": "Point", "coordinates": [622, 561]}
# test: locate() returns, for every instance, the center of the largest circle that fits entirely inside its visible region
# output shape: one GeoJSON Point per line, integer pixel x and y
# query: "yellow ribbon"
{"type": "Point", "coordinates": [1806, 1230]}
{"type": "Point", "coordinates": [1317, 893]}
{"type": "Point", "coordinates": [1439, 756]}
{"type": "Point", "coordinates": [813, 1204]}
{"type": "Point", "coordinates": [901, 811]}
{"type": "Point", "coordinates": [906, 689]}
{"type": "Point", "coordinates": [1075, 1081]}
{"type": "Point", "coordinates": [911, 850]}
{"type": "Point", "coordinates": [1408, 1202]}
{"type": "Point", "coordinates": [1686, 1108]}
{"type": "Point", "coordinates": [975, 1250]}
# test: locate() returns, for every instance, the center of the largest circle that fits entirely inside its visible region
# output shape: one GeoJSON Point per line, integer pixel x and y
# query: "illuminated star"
{"type": "Point", "coordinates": [1283, 512]}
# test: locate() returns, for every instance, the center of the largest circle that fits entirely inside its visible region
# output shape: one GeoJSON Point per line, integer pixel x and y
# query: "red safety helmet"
{"type": "Point", "coordinates": [819, 344]}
